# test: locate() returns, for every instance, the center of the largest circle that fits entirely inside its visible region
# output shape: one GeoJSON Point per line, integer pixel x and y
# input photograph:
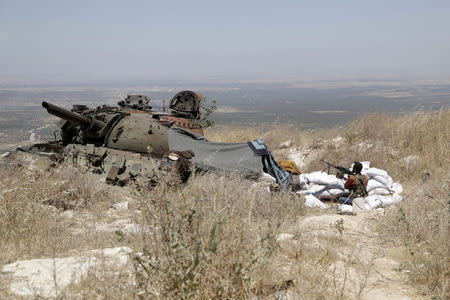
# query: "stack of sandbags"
{"type": "Point", "coordinates": [375, 201]}
{"type": "Point", "coordinates": [380, 183]}
{"type": "Point", "coordinates": [383, 191]}
{"type": "Point", "coordinates": [321, 185]}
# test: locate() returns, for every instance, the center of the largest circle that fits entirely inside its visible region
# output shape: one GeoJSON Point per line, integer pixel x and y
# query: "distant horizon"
{"type": "Point", "coordinates": [153, 83]}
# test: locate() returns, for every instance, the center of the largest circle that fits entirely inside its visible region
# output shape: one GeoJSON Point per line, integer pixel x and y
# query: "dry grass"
{"type": "Point", "coordinates": [30, 229]}
{"type": "Point", "coordinates": [415, 150]}
{"type": "Point", "coordinates": [419, 225]}
{"type": "Point", "coordinates": [213, 237]}
{"type": "Point", "coordinates": [273, 134]}
{"type": "Point", "coordinates": [216, 237]}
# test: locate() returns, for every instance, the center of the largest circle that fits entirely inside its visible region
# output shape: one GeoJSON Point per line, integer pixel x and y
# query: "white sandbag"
{"type": "Point", "coordinates": [386, 201]}
{"type": "Point", "coordinates": [339, 186]}
{"type": "Point", "coordinates": [386, 181]}
{"type": "Point", "coordinates": [397, 188]}
{"type": "Point", "coordinates": [322, 178]}
{"type": "Point", "coordinates": [374, 184]}
{"type": "Point", "coordinates": [312, 201]}
{"type": "Point", "coordinates": [373, 201]}
{"type": "Point", "coordinates": [366, 165]}
{"type": "Point", "coordinates": [376, 201]}
{"type": "Point", "coordinates": [337, 192]}
{"type": "Point", "coordinates": [330, 193]}
{"type": "Point", "coordinates": [323, 194]}
{"type": "Point", "coordinates": [389, 200]}
{"type": "Point", "coordinates": [304, 183]}
{"type": "Point", "coordinates": [359, 204]}
{"type": "Point", "coordinates": [397, 198]}
{"type": "Point", "coordinates": [345, 208]}
{"type": "Point", "coordinates": [380, 191]}
{"type": "Point", "coordinates": [316, 188]}
{"type": "Point", "coordinates": [372, 172]}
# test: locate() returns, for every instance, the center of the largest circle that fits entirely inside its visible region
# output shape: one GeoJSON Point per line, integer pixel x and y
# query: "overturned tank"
{"type": "Point", "coordinates": [132, 143]}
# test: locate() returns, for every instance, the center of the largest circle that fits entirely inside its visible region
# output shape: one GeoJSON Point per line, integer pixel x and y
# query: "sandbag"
{"type": "Point", "coordinates": [329, 193]}
{"type": "Point", "coordinates": [397, 198]}
{"type": "Point", "coordinates": [376, 201]}
{"type": "Point", "coordinates": [386, 181]}
{"type": "Point", "coordinates": [323, 195]}
{"type": "Point", "coordinates": [312, 201]}
{"type": "Point", "coordinates": [304, 183]}
{"type": "Point", "coordinates": [322, 178]}
{"type": "Point", "coordinates": [380, 191]}
{"type": "Point", "coordinates": [372, 172]}
{"type": "Point", "coordinates": [374, 184]}
{"type": "Point", "coordinates": [312, 189]}
{"type": "Point", "coordinates": [345, 208]}
{"type": "Point", "coordinates": [373, 201]}
{"type": "Point", "coordinates": [359, 204]}
{"type": "Point", "coordinates": [381, 188]}
{"type": "Point", "coordinates": [397, 188]}
{"type": "Point", "coordinates": [365, 164]}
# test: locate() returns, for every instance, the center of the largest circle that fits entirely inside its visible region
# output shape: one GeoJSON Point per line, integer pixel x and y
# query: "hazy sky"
{"type": "Point", "coordinates": [123, 41]}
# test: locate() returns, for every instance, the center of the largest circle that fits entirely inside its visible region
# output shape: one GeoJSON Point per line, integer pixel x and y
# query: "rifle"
{"type": "Point", "coordinates": [339, 168]}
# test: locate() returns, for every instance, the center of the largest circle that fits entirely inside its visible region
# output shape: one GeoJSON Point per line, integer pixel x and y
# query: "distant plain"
{"type": "Point", "coordinates": [306, 105]}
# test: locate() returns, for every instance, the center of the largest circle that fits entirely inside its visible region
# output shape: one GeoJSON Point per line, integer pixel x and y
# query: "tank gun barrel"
{"type": "Point", "coordinates": [72, 117]}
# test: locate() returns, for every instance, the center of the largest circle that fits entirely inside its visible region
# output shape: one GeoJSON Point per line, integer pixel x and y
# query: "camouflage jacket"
{"type": "Point", "coordinates": [357, 184]}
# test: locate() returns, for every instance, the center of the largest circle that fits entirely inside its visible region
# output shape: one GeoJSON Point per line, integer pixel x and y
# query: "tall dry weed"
{"type": "Point", "coordinates": [211, 238]}
{"type": "Point", "coordinates": [415, 150]}
{"type": "Point", "coordinates": [31, 223]}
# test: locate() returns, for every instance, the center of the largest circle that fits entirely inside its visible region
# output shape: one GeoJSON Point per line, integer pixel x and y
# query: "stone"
{"type": "Point", "coordinates": [285, 237]}
{"type": "Point", "coordinates": [286, 144]}
{"type": "Point", "coordinates": [121, 206]}
{"type": "Point", "coordinates": [48, 277]}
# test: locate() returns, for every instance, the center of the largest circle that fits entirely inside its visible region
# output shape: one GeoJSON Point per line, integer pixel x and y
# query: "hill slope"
{"type": "Point", "coordinates": [217, 237]}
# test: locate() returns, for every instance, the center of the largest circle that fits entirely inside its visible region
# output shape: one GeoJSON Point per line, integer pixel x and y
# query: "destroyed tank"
{"type": "Point", "coordinates": [132, 143]}
{"type": "Point", "coordinates": [128, 141]}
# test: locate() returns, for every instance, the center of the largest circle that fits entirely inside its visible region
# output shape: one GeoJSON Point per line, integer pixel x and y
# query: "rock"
{"type": "Point", "coordinates": [285, 237]}
{"type": "Point", "coordinates": [338, 141]}
{"type": "Point", "coordinates": [126, 225]}
{"type": "Point", "coordinates": [410, 161]}
{"type": "Point", "coordinates": [68, 214]}
{"type": "Point", "coordinates": [123, 225]}
{"type": "Point", "coordinates": [365, 145]}
{"type": "Point", "coordinates": [286, 144]}
{"type": "Point", "coordinates": [48, 277]}
{"type": "Point", "coordinates": [121, 206]}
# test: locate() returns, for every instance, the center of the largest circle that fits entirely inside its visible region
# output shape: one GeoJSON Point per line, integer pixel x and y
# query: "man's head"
{"type": "Point", "coordinates": [357, 167]}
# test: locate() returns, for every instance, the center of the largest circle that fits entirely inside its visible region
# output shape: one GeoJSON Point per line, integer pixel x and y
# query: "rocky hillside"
{"type": "Point", "coordinates": [69, 235]}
